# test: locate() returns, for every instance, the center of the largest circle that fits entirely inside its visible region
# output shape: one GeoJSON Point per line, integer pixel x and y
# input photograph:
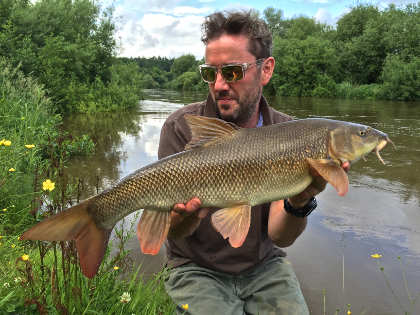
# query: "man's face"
{"type": "Point", "coordinates": [236, 101]}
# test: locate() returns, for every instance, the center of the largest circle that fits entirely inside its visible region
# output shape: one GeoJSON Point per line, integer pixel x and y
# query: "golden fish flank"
{"type": "Point", "coordinates": [224, 166]}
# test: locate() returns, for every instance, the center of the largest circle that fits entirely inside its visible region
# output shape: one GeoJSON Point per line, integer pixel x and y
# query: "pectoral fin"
{"type": "Point", "coordinates": [332, 173]}
{"type": "Point", "coordinates": [233, 223]}
{"type": "Point", "coordinates": [152, 230]}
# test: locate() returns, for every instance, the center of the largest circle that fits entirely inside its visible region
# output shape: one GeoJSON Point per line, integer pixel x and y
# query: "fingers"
{"type": "Point", "coordinates": [203, 212]}
{"type": "Point", "coordinates": [346, 166]}
{"type": "Point", "coordinates": [191, 207]}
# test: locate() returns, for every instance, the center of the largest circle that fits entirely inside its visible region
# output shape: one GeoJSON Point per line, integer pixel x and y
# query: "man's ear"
{"type": "Point", "coordinates": [267, 70]}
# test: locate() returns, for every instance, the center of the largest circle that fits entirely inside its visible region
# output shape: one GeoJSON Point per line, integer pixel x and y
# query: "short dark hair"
{"type": "Point", "coordinates": [246, 23]}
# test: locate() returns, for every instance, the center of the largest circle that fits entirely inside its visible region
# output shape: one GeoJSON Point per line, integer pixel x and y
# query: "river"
{"type": "Point", "coordinates": [332, 258]}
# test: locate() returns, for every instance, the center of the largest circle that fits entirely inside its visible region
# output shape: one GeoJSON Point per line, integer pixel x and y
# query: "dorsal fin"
{"type": "Point", "coordinates": [206, 130]}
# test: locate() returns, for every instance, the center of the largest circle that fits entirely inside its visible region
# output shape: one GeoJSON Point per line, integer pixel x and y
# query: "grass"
{"type": "Point", "coordinates": [45, 277]}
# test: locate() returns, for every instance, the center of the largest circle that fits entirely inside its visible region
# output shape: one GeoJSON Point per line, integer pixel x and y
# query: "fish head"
{"type": "Point", "coordinates": [349, 142]}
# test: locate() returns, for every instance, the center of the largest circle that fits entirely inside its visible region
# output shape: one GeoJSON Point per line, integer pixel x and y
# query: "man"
{"type": "Point", "coordinates": [206, 272]}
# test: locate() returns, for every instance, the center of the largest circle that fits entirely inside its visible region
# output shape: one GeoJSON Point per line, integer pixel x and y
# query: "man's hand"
{"type": "Point", "coordinates": [318, 185]}
{"type": "Point", "coordinates": [185, 218]}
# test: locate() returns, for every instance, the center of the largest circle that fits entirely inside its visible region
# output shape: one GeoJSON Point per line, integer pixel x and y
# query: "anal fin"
{"type": "Point", "coordinates": [152, 230]}
{"type": "Point", "coordinates": [332, 173]}
{"type": "Point", "coordinates": [233, 223]}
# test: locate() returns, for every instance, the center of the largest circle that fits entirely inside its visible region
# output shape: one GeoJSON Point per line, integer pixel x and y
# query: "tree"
{"type": "Point", "coordinates": [183, 64]}
{"type": "Point", "coordinates": [59, 42]}
{"type": "Point", "coordinates": [303, 65]}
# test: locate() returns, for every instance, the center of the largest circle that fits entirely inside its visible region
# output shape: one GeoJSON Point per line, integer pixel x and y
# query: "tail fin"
{"type": "Point", "coordinates": [76, 224]}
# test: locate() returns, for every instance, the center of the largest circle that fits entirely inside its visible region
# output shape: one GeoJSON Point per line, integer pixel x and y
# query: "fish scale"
{"type": "Point", "coordinates": [231, 171]}
{"type": "Point", "coordinates": [224, 166]}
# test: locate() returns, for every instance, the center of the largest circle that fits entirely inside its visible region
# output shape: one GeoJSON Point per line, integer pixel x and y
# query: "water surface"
{"type": "Point", "coordinates": [380, 214]}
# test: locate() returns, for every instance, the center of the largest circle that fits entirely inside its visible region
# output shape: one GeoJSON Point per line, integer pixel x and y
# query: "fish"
{"type": "Point", "coordinates": [226, 167]}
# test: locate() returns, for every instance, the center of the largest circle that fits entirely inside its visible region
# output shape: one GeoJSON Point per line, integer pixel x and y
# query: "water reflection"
{"type": "Point", "coordinates": [381, 212]}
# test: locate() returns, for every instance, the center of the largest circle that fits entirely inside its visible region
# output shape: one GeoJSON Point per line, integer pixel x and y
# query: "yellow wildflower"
{"type": "Point", "coordinates": [116, 267]}
{"type": "Point", "coordinates": [29, 146]}
{"type": "Point", "coordinates": [348, 312]}
{"type": "Point", "coordinates": [48, 185]}
{"type": "Point", "coordinates": [25, 257]}
{"type": "Point", "coordinates": [2, 142]}
{"type": "Point", "coordinates": [13, 246]}
{"type": "Point", "coordinates": [7, 143]}
{"type": "Point", "coordinates": [184, 306]}
{"type": "Point", "coordinates": [376, 256]}
{"type": "Point", "coordinates": [4, 210]}
{"type": "Point", "coordinates": [12, 169]}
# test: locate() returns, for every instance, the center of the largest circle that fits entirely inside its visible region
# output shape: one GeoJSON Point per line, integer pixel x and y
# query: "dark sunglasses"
{"type": "Point", "coordinates": [231, 72]}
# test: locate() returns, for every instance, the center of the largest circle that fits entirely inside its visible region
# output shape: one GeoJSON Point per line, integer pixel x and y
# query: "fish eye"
{"type": "Point", "coordinates": [364, 132]}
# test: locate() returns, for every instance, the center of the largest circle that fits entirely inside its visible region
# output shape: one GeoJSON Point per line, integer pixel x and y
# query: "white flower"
{"type": "Point", "coordinates": [125, 297]}
{"type": "Point", "coordinates": [18, 279]}
{"type": "Point", "coordinates": [6, 285]}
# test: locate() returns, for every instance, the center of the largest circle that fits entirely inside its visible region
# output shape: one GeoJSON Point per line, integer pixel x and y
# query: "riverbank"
{"type": "Point", "coordinates": [44, 277]}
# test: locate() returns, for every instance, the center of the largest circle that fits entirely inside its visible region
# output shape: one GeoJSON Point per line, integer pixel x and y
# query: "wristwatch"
{"type": "Point", "coordinates": [301, 212]}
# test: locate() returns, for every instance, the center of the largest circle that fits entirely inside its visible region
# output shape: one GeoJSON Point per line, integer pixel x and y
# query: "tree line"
{"type": "Point", "coordinates": [68, 47]}
{"type": "Point", "coordinates": [371, 53]}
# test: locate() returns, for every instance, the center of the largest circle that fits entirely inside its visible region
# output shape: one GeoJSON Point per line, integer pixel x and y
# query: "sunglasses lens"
{"type": "Point", "coordinates": [232, 73]}
{"type": "Point", "coordinates": [208, 74]}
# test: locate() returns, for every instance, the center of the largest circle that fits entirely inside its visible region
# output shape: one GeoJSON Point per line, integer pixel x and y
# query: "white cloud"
{"type": "Point", "coordinates": [191, 10]}
{"type": "Point", "coordinates": [158, 34]}
{"type": "Point", "coordinates": [324, 16]}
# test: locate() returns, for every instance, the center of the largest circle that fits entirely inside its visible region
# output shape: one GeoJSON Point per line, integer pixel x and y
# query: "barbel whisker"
{"type": "Point", "coordinates": [379, 156]}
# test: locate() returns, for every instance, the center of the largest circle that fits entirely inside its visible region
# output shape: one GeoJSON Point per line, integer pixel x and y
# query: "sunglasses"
{"type": "Point", "coordinates": [231, 72]}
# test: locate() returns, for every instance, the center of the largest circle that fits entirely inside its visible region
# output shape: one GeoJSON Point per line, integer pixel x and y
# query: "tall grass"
{"type": "Point", "coordinates": [44, 277]}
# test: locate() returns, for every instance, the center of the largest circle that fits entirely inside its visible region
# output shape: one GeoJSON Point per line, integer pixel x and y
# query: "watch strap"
{"type": "Point", "coordinates": [303, 211]}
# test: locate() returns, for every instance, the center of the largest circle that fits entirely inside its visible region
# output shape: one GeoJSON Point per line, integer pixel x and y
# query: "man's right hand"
{"type": "Point", "coordinates": [185, 218]}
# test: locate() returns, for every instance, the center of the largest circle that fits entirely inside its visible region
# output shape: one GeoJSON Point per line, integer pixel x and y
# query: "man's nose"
{"type": "Point", "coordinates": [220, 83]}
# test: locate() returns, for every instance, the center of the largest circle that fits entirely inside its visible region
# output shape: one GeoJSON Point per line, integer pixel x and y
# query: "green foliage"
{"type": "Point", "coordinates": [26, 119]}
{"type": "Point", "coordinates": [274, 20]}
{"type": "Point", "coordinates": [354, 23]}
{"type": "Point", "coordinates": [366, 36]}
{"type": "Point", "coordinates": [354, 61]}
{"type": "Point", "coordinates": [188, 81]}
{"type": "Point", "coordinates": [69, 47]}
{"type": "Point", "coordinates": [183, 64]}
{"type": "Point", "coordinates": [364, 91]}
{"type": "Point", "coordinates": [401, 80]}
{"type": "Point", "coordinates": [303, 65]}
{"type": "Point", "coordinates": [45, 278]}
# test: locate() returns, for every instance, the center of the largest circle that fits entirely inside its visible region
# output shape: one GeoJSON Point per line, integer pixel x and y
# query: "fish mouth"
{"type": "Point", "coordinates": [382, 145]}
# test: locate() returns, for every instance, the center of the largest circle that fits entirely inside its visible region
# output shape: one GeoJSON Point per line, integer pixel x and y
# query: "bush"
{"type": "Point", "coordinates": [401, 79]}
{"type": "Point", "coordinates": [188, 81]}
{"type": "Point", "coordinates": [326, 87]}
{"type": "Point", "coordinates": [365, 91]}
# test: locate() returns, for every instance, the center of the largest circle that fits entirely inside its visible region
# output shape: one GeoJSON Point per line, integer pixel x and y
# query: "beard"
{"type": "Point", "coordinates": [247, 105]}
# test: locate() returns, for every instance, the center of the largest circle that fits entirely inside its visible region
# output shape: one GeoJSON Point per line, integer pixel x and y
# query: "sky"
{"type": "Point", "coordinates": [171, 28]}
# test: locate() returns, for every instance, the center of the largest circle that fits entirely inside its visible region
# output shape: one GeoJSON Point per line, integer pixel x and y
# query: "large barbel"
{"type": "Point", "coordinates": [226, 167]}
